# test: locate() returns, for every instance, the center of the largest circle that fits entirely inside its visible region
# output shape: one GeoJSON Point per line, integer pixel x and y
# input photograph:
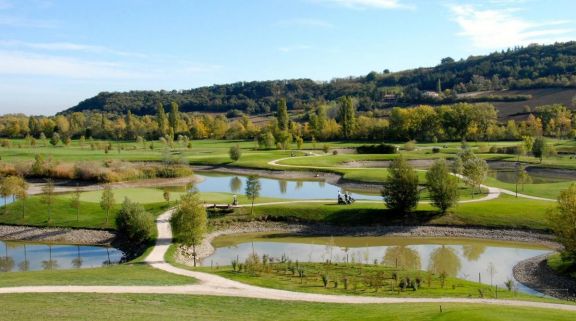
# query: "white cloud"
{"type": "Point", "coordinates": [305, 22]}
{"type": "Point", "coordinates": [363, 4]}
{"type": "Point", "coordinates": [13, 21]}
{"type": "Point", "coordinates": [66, 46]}
{"type": "Point", "coordinates": [19, 63]}
{"type": "Point", "coordinates": [502, 28]}
{"type": "Point", "coordinates": [293, 48]}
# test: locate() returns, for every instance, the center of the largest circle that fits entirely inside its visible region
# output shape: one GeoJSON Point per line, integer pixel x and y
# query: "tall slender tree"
{"type": "Point", "coordinates": [107, 201]}
{"type": "Point", "coordinates": [347, 117]}
{"type": "Point", "coordinates": [48, 197]}
{"type": "Point", "coordinates": [252, 190]}
{"type": "Point", "coordinates": [174, 117]}
{"type": "Point", "coordinates": [282, 115]}
{"type": "Point", "coordinates": [161, 119]}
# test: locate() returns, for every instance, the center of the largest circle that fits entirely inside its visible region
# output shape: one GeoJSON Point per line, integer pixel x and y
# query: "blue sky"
{"type": "Point", "coordinates": [54, 53]}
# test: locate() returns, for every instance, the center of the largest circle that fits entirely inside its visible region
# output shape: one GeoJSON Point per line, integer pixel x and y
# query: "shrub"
{"type": "Point", "coordinates": [410, 145]}
{"type": "Point", "coordinates": [326, 148]}
{"type": "Point", "coordinates": [377, 149]}
{"type": "Point", "coordinates": [435, 150]}
{"type": "Point", "coordinates": [235, 152]}
{"type": "Point", "coordinates": [335, 152]}
{"type": "Point", "coordinates": [135, 223]}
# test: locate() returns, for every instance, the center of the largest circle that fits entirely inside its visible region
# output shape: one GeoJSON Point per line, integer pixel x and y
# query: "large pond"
{"type": "Point", "coordinates": [20, 256]}
{"type": "Point", "coordinates": [464, 258]}
{"type": "Point", "coordinates": [278, 188]}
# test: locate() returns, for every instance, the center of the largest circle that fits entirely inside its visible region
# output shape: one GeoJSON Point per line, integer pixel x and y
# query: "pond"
{"type": "Point", "coordinates": [463, 258]}
{"type": "Point", "coordinates": [6, 200]}
{"type": "Point", "coordinates": [536, 175]}
{"type": "Point", "coordinates": [21, 256]}
{"type": "Point", "coordinates": [277, 188]}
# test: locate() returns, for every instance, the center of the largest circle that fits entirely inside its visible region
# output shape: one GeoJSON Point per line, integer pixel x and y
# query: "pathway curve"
{"type": "Point", "coordinates": [209, 284]}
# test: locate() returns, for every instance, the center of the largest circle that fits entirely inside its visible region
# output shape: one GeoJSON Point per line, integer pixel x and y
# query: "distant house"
{"type": "Point", "coordinates": [390, 99]}
{"type": "Point", "coordinates": [430, 94]}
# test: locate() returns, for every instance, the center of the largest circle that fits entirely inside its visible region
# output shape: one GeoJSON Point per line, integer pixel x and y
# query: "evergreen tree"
{"type": "Point", "coordinates": [347, 117]}
{"type": "Point", "coordinates": [401, 187]}
{"type": "Point", "coordinates": [282, 115]}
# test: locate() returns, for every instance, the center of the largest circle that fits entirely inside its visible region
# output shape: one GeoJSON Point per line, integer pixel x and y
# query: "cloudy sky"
{"type": "Point", "coordinates": [55, 53]}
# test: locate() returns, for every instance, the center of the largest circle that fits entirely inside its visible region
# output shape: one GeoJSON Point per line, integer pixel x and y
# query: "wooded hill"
{"type": "Point", "coordinates": [532, 67]}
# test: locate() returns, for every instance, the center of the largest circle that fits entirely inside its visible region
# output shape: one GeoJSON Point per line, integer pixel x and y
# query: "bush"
{"type": "Point", "coordinates": [377, 149]}
{"type": "Point", "coordinates": [135, 223]}
{"type": "Point", "coordinates": [334, 152]}
{"type": "Point", "coordinates": [410, 145]}
{"type": "Point", "coordinates": [435, 150]}
{"type": "Point", "coordinates": [235, 152]}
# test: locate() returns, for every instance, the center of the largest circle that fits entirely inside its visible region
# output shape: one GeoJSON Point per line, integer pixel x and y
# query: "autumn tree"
{"type": "Point", "coordinates": [48, 197]}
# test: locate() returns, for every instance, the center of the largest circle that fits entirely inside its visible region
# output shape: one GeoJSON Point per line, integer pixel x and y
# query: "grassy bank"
{"type": "Point", "coordinates": [183, 307]}
{"type": "Point", "coordinates": [126, 274]}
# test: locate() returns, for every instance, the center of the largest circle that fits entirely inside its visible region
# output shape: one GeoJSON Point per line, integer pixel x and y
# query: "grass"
{"type": "Point", "coordinates": [125, 274]}
{"type": "Point", "coordinates": [556, 263]}
{"type": "Point", "coordinates": [503, 212]}
{"type": "Point", "coordinates": [63, 215]}
{"type": "Point", "coordinates": [361, 280]}
{"type": "Point", "coordinates": [206, 308]}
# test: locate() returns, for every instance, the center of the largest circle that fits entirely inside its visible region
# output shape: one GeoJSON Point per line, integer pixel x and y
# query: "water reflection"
{"type": "Point", "coordinates": [23, 257]}
{"type": "Point", "coordinates": [283, 186]}
{"type": "Point", "coordinates": [444, 260]}
{"type": "Point", "coordinates": [466, 260]}
{"type": "Point", "coordinates": [235, 185]}
{"type": "Point", "coordinates": [473, 252]}
{"type": "Point", "coordinates": [297, 189]}
{"type": "Point", "coordinates": [402, 257]}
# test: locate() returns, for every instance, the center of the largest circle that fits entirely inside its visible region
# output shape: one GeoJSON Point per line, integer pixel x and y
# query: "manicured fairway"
{"type": "Point", "coordinates": [135, 274]}
{"type": "Point", "coordinates": [205, 308]}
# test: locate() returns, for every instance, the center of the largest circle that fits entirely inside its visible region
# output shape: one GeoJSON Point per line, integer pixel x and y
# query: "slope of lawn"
{"type": "Point", "coordinates": [124, 274]}
{"type": "Point", "coordinates": [64, 215]}
{"type": "Point", "coordinates": [152, 307]}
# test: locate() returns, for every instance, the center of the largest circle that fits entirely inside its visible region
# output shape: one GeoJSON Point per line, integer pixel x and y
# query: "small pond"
{"type": "Point", "coordinates": [21, 256]}
{"type": "Point", "coordinates": [463, 258]}
{"type": "Point", "coordinates": [277, 188]}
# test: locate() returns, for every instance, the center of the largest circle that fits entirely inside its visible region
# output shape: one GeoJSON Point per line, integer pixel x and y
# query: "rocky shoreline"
{"type": "Point", "coordinates": [56, 235]}
{"type": "Point", "coordinates": [206, 248]}
{"type": "Point", "coordinates": [536, 274]}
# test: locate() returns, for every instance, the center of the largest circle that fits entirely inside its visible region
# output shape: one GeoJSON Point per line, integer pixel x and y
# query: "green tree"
{"type": "Point", "coordinates": [347, 115]}
{"type": "Point", "coordinates": [107, 201]}
{"type": "Point", "coordinates": [20, 191]}
{"type": "Point", "coordinates": [48, 197]}
{"type": "Point", "coordinates": [189, 222]}
{"type": "Point", "coordinates": [401, 187]}
{"type": "Point", "coordinates": [166, 196]}
{"type": "Point", "coordinates": [252, 190]}
{"type": "Point", "coordinates": [442, 185]}
{"type": "Point", "coordinates": [174, 117]}
{"type": "Point", "coordinates": [457, 166]}
{"type": "Point", "coordinates": [475, 171]}
{"type": "Point", "coordinates": [539, 148]}
{"type": "Point", "coordinates": [282, 115]}
{"type": "Point", "coordinates": [563, 222]}
{"type": "Point", "coordinates": [235, 152]}
{"type": "Point", "coordinates": [161, 119]}
{"type": "Point", "coordinates": [75, 202]}
{"type": "Point", "coordinates": [55, 140]}
{"type": "Point", "coordinates": [135, 223]}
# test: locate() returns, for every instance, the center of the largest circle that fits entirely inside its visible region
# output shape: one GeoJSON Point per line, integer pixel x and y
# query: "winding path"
{"type": "Point", "coordinates": [209, 284]}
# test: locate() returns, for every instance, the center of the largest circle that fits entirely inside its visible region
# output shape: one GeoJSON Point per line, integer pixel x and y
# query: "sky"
{"type": "Point", "coordinates": [56, 53]}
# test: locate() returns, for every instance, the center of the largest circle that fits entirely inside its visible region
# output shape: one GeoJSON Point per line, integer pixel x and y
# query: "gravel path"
{"type": "Point", "coordinates": [535, 273]}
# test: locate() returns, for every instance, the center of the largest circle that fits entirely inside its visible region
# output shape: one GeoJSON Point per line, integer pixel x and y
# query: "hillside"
{"type": "Point", "coordinates": [533, 67]}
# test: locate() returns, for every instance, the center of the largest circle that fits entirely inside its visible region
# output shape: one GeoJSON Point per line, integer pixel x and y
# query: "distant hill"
{"type": "Point", "coordinates": [533, 67]}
